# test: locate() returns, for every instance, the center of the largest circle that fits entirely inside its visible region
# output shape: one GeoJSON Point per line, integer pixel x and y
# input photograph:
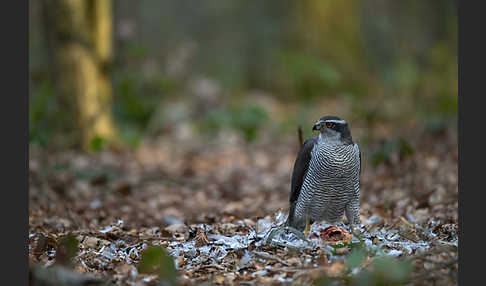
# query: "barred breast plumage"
{"type": "Point", "coordinates": [332, 181]}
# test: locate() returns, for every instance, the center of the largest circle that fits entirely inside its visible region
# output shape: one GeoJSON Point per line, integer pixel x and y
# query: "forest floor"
{"type": "Point", "coordinates": [211, 207]}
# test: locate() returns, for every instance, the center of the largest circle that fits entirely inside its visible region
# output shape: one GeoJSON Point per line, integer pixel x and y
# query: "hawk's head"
{"type": "Point", "coordinates": [334, 127]}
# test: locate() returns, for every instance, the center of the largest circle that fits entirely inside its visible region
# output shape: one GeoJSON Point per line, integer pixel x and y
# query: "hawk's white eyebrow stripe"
{"type": "Point", "coordinates": [336, 121]}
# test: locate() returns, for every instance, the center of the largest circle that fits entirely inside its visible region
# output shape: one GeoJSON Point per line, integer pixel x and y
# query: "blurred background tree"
{"type": "Point", "coordinates": [79, 40]}
{"type": "Point", "coordinates": [182, 68]}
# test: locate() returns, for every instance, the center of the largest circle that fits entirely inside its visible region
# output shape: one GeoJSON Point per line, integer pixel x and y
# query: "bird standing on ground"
{"type": "Point", "coordinates": [326, 177]}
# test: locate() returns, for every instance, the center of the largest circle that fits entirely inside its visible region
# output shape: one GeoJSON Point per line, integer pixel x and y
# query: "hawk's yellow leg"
{"type": "Point", "coordinates": [307, 225]}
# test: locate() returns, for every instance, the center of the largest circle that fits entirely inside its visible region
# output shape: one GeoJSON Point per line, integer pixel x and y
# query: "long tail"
{"type": "Point", "coordinates": [290, 218]}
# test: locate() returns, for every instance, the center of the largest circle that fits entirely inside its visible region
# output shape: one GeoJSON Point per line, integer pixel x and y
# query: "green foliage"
{"type": "Point", "coordinates": [214, 120]}
{"type": "Point", "coordinates": [131, 135]}
{"type": "Point", "coordinates": [67, 249]}
{"type": "Point", "coordinates": [136, 102]}
{"type": "Point", "coordinates": [137, 51]}
{"type": "Point", "coordinates": [302, 51]}
{"type": "Point", "coordinates": [355, 258]}
{"type": "Point", "coordinates": [309, 76]}
{"type": "Point", "coordinates": [41, 113]}
{"type": "Point", "coordinates": [247, 119]}
{"type": "Point", "coordinates": [437, 124]}
{"type": "Point", "coordinates": [129, 104]}
{"type": "Point", "coordinates": [383, 270]}
{"type": "Point", "coordinates": [97, 143]}
{"type": "Point", "coordinates": [405, 75]}
{"type": "Point", "coordinates": [356, 247]}
{"type": "Point", "coordinates": [302, 117]}
{"type": "Point", "coordinates": [390, 147]}
{"type": "Point", "coordinates": [448, 105]}
{"type": "Point", "coordinates": [70, 243]}
{"type": "Point", "coordinates": [336, 246]}
{"type": "Point", "coordinates": [155, 259]}
{"type": "Point", "coordinates": [391, 271]}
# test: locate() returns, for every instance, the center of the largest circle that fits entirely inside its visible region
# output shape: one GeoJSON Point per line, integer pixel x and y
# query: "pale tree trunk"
{"type": "Point", "coordinates": [79, 36]}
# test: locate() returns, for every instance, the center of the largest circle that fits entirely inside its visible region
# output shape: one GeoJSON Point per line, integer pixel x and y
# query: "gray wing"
{"type": "Point", "coordinates": [301, 166]}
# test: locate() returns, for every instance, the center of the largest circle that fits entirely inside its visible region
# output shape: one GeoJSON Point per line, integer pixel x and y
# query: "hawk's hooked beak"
{"type": "Point", "coordinates": [317, 126]}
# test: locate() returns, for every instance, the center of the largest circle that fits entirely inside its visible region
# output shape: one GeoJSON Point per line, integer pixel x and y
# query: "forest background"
{"type": "Point", "coordinates": [187, 111]}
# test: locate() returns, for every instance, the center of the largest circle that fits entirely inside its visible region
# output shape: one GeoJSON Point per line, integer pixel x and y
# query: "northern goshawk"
{"type": "Point", "coordinates": [326, 177]}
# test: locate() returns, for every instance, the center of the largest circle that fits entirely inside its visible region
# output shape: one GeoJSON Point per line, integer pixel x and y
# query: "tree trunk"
{"type": "Point", "coordinates": [79, 36]}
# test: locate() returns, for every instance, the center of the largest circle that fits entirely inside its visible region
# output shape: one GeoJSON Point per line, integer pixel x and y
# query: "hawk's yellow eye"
{"type": "Point", "coordinates": [329, 124]}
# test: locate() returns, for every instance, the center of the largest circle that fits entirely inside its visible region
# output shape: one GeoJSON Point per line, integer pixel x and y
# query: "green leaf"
{"type": "Point", "coordinates": [389, 270]}
{"type": "Point", "coordinates": [67, 249]}
{"type": "Point", "coordinates": [155, 259]}
{"type": "Point", "coordinates": [355, 258]}
{"type": "Point", "coordinates": [97, 143]}
{"type": "Point", "coordinates": [249, 119]}
{"type": "Point", "coordinates": [323, 281]}
{"type": "Point", "coordinates": [391, 146]}
{"type": "Point", "coordinates": [405, 148]}
{"type": "Point", "coordinates": [364, 278]}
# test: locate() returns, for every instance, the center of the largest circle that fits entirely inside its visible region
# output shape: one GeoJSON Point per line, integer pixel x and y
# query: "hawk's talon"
{"type": "Point", "coordinates": [280, 229]}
